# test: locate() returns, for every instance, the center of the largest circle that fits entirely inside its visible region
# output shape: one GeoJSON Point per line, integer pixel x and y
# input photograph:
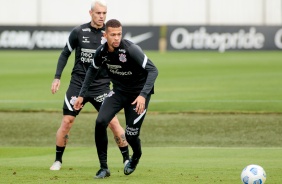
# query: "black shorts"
{"type": "Point", "coordinates": [96, 99]}
{"type": "Point", "coordinates": [116, 101]}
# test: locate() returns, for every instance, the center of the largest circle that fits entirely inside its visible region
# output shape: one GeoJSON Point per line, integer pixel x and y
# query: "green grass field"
{"type": "Point", "coordinates": [212, 114]}
{"type": "Point", "coordinates": [187, 82]}
{"type": "Point", "coordinates": [159, 165]}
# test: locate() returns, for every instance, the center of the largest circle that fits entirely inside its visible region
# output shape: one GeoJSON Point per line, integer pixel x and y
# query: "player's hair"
{"type": "Point", "coordinates": [100, 2]}
{"type": "Point", "coordinates": [113, 23]}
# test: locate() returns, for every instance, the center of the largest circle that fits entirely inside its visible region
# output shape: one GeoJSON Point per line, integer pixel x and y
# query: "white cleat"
{"type": "Point", "coordinates": [56, 166]}
{"type": "Point", "coordinates": [125, 162]}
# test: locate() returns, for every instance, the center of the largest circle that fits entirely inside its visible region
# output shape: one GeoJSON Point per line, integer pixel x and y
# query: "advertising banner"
{"type": "Point", "coordinates": [33, 38]}
{"type": "Point", "coordinates": [223, 38]}
{"type": "Point", "coordinates": [217, 38]}
{"type": "Point", "coordinates": [44, 37]}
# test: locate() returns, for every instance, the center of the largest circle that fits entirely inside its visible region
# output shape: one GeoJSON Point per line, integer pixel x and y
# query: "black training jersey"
{"type": "Point", "coordinates": [84, 39]}
{"type": "Point", "coordinates": [130, 70]}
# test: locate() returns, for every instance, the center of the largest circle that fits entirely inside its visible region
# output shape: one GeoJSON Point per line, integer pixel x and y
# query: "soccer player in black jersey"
{"type": "Point", "coordinates": [133, 76]}
{"type": "Point", "coordinates": [85, 39]}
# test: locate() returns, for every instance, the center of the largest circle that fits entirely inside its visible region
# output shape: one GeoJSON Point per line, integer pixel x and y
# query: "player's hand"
{"type": "Point", "coordinates": [140, 104]}
{"type": "Point", "coordinates": [78, 103]}
{"type": "Point", "coordinates": [55, 85]}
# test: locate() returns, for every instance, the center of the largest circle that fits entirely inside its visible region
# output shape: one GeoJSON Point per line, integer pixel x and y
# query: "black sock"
{"type": "Point", "coordinates": [125, 153]}
{"type": "Point", "coordinates": [136, 148]}
{"type": "Point", "coordinates": [59, 153]}
{"type": "Point", "coordinates": [103, 165]}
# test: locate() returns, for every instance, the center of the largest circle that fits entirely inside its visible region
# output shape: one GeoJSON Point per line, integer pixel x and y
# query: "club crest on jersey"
{"type": "Point", "coordinates": [122, 58]}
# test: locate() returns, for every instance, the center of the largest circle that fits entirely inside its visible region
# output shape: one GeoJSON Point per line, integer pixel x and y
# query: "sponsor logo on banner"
{"type": "Point", "coordinates": [33, 39]}
{"type": "Point", "coordinates": [205, 37]}
{"type": "Point", "coordinates": [138, 38]}
{"type": "Point", "coordinates": [181, 38]}
{"type": "Point", "coordinates": [278, 39]}
{"type": "Point", "coordinates": [223, 38]}
{"type": "Point", "coordinates": [55, 37]}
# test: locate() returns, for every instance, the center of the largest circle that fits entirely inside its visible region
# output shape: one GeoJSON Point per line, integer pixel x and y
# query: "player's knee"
{"type": "Point", "coordinates": [101, 123]}
{"type": "Point", "coordinates": [114, 122]}
{"type": "Point", "coordinates": [115, 126]}
{"type": "Point", "coordinates": [67, 123]}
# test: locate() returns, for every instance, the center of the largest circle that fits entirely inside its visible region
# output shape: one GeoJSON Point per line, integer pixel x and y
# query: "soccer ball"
{"type": "Point", "coordinates": [253, 174]}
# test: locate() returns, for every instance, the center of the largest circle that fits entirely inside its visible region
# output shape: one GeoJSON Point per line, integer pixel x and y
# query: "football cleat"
{"type": "Point", "coordinates": [125, 162]}
{"type": "Point", "coordinates": [131, 166]}
{"type": "Point", "coordinates": [102, 173]}
{"type": "Point", "coordinates": [56, 166]}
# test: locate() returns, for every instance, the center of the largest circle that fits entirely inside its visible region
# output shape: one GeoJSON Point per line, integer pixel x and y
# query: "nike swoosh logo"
{"type": "Point", "coordinates": [139, 38]}
{"type": "Point", "coordinates": [105, 58]}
